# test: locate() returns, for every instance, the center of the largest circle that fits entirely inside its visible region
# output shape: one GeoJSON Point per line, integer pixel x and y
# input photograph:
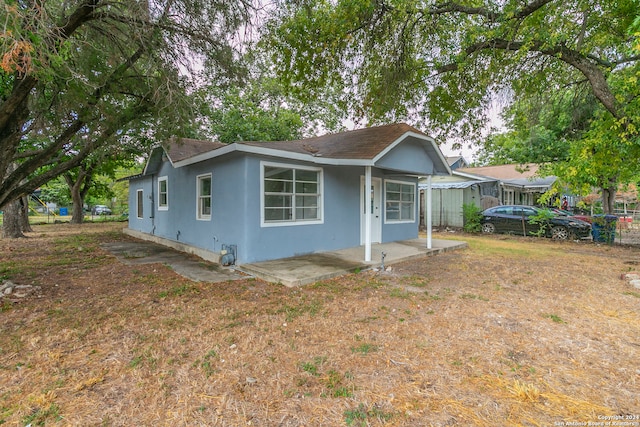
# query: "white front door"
{"type": "Point", "coordinates": [376, 210]}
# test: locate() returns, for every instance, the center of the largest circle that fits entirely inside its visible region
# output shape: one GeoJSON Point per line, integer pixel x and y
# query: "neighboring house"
{"type": "Point", "coordinates": [485, 186]}
{"type": "Point", "coordinates": [270, 200]}
{"type": "Point", "coordinates": [519, 184]}
{"type": "Point", "coordinates": [457, 162]}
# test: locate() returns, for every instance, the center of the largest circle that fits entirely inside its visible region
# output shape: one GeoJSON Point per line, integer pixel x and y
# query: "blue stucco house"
{"type": "Point", "coordinates": [271, 200]}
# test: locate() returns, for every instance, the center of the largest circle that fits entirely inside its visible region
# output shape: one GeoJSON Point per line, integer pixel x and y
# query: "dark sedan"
{"type": "Point", "coordinates": [532, 221]}
{"type": "Point", "coordinates": [101, 210]}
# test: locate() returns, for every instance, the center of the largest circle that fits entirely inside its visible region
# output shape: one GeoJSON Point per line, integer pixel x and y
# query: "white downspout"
{"type": "Point", "coordinates": [428, 198]}
{"type": "Point", "coordinates": [367, 214]}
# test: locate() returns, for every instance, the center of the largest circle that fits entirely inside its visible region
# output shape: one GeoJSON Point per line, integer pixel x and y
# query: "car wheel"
{"type": "Point", "coordinates": [488, 228]}
{"type": "Point", "coordinates": [560, 233]}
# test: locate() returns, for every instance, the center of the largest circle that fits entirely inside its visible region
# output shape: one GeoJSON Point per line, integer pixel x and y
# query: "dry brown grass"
{"type": "Point", "coordinates": [510, 332]}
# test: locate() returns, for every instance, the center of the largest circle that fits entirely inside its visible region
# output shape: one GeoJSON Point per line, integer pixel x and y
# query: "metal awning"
{"type": "Point", "coordinates": [448, 185]}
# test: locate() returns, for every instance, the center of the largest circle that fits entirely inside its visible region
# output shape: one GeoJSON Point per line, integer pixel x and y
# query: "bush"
{"type": "Point", "coordinates": [471, 215]}
{"type": "Point", "coordinates": [541, 219]}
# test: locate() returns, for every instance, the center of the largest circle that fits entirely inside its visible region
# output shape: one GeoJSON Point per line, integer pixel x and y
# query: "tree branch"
{"type": "Point", "coordinates": [591, 71]}
{"type": "Point", "coordinates": [530, 8]}
{"type": "Point", "coordinates": [492, 16]}
{"type": "Point", "coordinates": [40, 157]}
{"type": "Point", "coordinates": [449, 7]}
{"type": "Point", "coordinates": [80, 15]}
{"type": "Point", "coordinates": [8, 193]}
{"type": "Point", "coordinates": [23, 87]}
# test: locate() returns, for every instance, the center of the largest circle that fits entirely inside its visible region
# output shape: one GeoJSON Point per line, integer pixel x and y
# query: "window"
{"type": "Point", "coordinates": [204, 197]}
{"type": "Point", "coordinates": [139, 204]}
{"type": "Point", "coordinates": [291, 194]}
{"type": "Point", "coordinates": [400, 201]}
{"type": "Point", "coordinates": [508, 197]}
{"type": "Point", "coordinates": [163, 194]}
{"type": "Point", "coordinates": [506, 210]}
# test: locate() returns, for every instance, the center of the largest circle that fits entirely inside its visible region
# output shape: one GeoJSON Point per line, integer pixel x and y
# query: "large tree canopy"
{"type": "Point", "coordinates": [541, 129]}
{"type": "Point", "coordinates": [260, 110]}
{"type": "Point", "coordinates": [442, 62]}
{"type": "Point", "coordinates": [76, 76]}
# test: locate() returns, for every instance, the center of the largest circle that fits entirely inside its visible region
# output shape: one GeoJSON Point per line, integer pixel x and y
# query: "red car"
{"type": "Point", "coordinates": [586, 218]}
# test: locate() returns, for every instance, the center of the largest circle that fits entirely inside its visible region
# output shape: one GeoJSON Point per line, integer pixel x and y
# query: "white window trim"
{"type": "Point", "coordinates": [200, 217]}
{"type": "Point", "coordinates": [399, 221]}
{"type": "Point", "coordinates": [320, 171]}
{"type": "Point", "coordinates": [166, 206]}
{"type": "Point", "coordinates": [139, 203]}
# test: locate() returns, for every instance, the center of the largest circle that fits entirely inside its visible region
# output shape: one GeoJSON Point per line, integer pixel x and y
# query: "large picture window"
{"type": "Point", "coordinates": [291, 194]}
{"type": "Point", "coordinates": [400, 201]}
{"type": "Point", "coordinates": [204, 197]}
{"type": "Point", "coordinates": [163, 194]}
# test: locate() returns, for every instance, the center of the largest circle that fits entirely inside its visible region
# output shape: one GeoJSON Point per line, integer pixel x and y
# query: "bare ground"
{"type": "Point", "coordinates": [510, 332]}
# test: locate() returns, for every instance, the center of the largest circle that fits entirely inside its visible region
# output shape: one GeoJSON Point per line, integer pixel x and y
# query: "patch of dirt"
{"type": "Point", "coordinates": [510, 332]}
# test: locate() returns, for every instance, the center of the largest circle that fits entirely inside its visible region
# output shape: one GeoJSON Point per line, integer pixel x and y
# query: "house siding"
{"type": "Point", "coordinates": [409, 157]}
{"type": "Point", "coordinates": [401, 230]}
{"type": "Point", "coordinates": [237, 220]}
{"type": "Point", "coordinates": [339, 228]}
{"type": "Point", "coordinates": [146, 222]}
{"type": "Point", "coordinates": [178, 222]}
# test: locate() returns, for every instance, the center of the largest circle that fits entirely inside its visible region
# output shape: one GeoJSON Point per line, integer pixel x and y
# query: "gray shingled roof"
{"type": "Point", "coordinates": [179, 149]}
{"type": "Point", "coordinates": [363, 147]}
{"type": "Point", "coordinates": [364, 143]}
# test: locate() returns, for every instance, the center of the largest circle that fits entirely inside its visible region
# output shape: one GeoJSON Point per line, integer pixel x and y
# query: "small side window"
{"type": "Point", "coordinates": [163, 194]}
{"type": "Point", "coordinates": [140, 204]}
{"type": "Point", "coordinates": [203, 207]}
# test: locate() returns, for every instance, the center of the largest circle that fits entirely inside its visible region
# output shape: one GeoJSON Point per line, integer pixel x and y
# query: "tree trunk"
{"type": "Point", "coordinates": [79, 185]}
{"type": "Point", "coordinates": [12, 221]}
{"type": "Point", "coordinates": [608, 200]}
{"type": "Point", "coordinates": [77, 215]}
{"type": "Point", "coordinates": [24, 216]}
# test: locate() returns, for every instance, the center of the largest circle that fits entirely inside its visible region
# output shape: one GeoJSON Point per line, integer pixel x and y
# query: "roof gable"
{"type": "Point", "coordinates": [456, 162]}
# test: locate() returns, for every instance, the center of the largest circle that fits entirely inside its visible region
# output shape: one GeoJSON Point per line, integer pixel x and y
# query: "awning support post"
{"type": "Point", "coordinates": [428, 202]}
{"type": "Point", "coordinates": [367, 215]}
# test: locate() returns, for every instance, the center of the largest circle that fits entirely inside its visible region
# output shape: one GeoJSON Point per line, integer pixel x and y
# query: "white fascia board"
{"type": "Point", "coordinates": [205, 156]}
{"type": "Point", "coordinates": [479, 178]}
{"type": "Point", "coordinates": [319, 160]}
{"type": "Point", "coordinates": [144, 171]}
{"type": "Point", "coordinates": [394, 144]}
{"type": "Point", "coordinates": [265, 151]}
{"type": "Point", "coordinates": [443, 159]}
{"type": "Point", "coordinates": [425, 138]}
{"type": "Point", "coordinates": [153, 150]}
{"type": "Point", "coordinates": [435, 148]}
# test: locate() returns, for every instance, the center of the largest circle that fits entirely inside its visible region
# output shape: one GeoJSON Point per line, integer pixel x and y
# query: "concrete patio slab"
{"type": "Point", "coordinates": [186, 265]}
{"type": "Point", "coordinates": [305, 269]}
{"type": "Point", "coordinates": [295, 271]}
